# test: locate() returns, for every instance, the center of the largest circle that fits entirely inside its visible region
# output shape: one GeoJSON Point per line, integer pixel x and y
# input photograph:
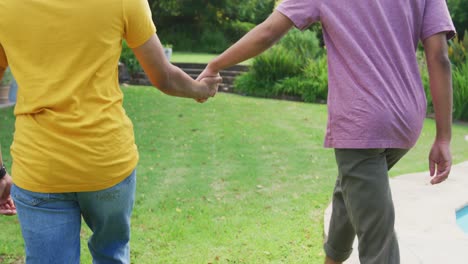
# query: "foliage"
{"type": "Point", "coordinates": [460, 92]}
{"type": "Point", "coordinates": [317, 72]}
{"type": "Point", "coordinates": [276, 64]}
{"type": "Point", "coordinates": [188, 25]}
{"type": "Point", "coordinates": [312, 85]}
{"type": "Point", "coordinates": [459, 12]}
{"type": "Point", "coordinates": [293, 67]}
{"type": "Point", "coordinates": [425, 80]}
{"type": "Point", "coordinates": [7, 77]}
{"type": "Point", "coordinates": [304, 44]}
{"type": "Point", "coordinates": [128, 58]}
{"type": "Point", "coordinates": [458, 51]}
{"type": "Point", "coordinates": [213, 41]}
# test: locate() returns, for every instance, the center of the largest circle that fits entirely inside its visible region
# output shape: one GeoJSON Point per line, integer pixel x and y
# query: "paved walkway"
{"type": "Point", "coordinates": [425, 218]}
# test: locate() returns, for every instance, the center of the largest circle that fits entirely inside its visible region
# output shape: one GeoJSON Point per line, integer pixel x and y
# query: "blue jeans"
{"type": "Point", "coordinates": [51, 223]}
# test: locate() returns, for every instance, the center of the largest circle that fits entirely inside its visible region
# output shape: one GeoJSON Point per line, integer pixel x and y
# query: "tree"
{"type": "Point", "coordinates": [459, 12]}
{"type": "Point", "coordinates": [207, 24]}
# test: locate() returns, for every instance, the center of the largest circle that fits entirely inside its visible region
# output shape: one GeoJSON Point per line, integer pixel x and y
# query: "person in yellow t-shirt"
{"type": "Point", "coordinates": [74, 152]}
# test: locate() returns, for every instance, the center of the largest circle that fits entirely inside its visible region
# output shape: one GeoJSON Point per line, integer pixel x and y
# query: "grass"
{"type": "Point", "coordinates": [189, 57]}
{"type": "Point", "coordinates": [234, 180]}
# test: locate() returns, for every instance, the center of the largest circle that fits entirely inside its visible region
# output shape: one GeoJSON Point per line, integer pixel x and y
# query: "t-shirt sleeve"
{"type": "Point", "coordinates": [302, 13]}
{"type": "Point", "coordinates": [437, 19]}
{"type": "Point", "coordinates": [139, 26]}
{"type": "Point", "coordinates": [3, 58]}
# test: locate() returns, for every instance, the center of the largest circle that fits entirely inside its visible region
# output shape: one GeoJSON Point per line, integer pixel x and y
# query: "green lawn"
{"type": "Point", "coordinates": [234, 180]}
{"type": "Point", "coordinates": [189, 57]}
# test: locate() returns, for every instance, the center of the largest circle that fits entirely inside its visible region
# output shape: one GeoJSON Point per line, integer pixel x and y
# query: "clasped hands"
{"type": "Point", "coordinates": [212, 80]}
{"type": "Point", "coordinates": [7, 206]}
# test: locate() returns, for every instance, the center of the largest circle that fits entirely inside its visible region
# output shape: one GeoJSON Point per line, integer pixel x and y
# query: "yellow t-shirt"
{"type": "Point", "coordinates": [72, 133]}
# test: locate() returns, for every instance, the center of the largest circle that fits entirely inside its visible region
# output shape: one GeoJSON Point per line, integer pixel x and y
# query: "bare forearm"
{"type": "Point", "coordinates": [441, 90]}
{"type": "Point", "coordinates": [178, 83]}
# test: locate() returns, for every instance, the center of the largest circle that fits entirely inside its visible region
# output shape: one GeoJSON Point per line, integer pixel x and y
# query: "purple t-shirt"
{"type": "Point", "coordinates": [375, 97]}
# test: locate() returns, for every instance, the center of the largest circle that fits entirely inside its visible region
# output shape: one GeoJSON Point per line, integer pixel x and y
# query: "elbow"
{"type": "Point", "coordinates": [162, 80]}
{"type": "Point", "coordinates": [267, 35]}
{"type": "Point", "coordinates": [442, 60]}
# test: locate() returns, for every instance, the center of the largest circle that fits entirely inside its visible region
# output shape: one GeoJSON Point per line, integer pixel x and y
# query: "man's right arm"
{"type": "Point", "coordinates": [440, 77]}
{"type": "Point", "coordinates": [169, 78]}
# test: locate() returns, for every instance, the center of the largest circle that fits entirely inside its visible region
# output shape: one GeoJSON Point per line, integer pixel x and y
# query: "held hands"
{"type": "Point", "coordinates": [211, 84]}
{"type": "Point", "coordinates": [212, 79]}
{"type": "Point", "coordinates": [440, 161]}
{"type": "Point", "coordinates": [7, 206]}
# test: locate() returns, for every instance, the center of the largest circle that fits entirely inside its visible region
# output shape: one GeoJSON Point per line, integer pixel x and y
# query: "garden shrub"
{"type": "Point", "coordinates": [317, 72]}
{"type": "Point", "coordinates": [7, 77]}
{"type": "Point", "coordinates": [311, 86]}
{"type": "Point", "coordinates": [280, 70]}
{"type": "Point", "coordinates": [249, 84]}
{"type": "Point", "coordinates": [304, 44]}
{"type": "Point", "coordinates": [425, 80]}
{"type": "Point", "coordinates": [460, 91]}
{"type": "Point", "coordinates": [213, 41]}
{"type": "Point", "coordinates": [276, 64]}
{"type": "Point", "coordinates": [458, 51]}
{"type": "Point", "coordinates": [128, 58]}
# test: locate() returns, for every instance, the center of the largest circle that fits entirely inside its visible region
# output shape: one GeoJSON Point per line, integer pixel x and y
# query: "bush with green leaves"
{"type": "Point", "coordinates": [128, 58]}
{"type": "Point", "coordinates": [7, 78]}
{"type": "Point", "coordinates": [293, 67]}
{"type": "Point", "coordinates": [458, 50]}
{"type": "Point", "coordinates": [311, 86]}
{"type": "Point", "coordinates": [460, 92]}
{"type": "Point", "coordinates": [213, 41]}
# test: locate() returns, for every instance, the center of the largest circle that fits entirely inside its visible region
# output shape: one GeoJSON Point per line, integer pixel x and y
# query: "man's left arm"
{"type": "Point", "coordinates": [440, 77]}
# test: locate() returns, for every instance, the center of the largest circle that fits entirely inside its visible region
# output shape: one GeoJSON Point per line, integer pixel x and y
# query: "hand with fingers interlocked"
{"type": "Point", "coordinates": [7, 206]}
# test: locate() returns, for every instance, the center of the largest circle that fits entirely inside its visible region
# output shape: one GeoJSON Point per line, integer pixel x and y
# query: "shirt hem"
{"type": "Point", "coordinates": [40, 188]}
{"type": "Point", "coordinates": [366, 144]}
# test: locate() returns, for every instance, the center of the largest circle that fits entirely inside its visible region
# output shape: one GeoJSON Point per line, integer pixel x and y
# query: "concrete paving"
{"type": "Point", "coordinates": [426, 218]}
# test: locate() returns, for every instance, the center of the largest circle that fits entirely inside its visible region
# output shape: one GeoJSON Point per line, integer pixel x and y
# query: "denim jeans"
{"type": "Point", "coordinates": [51, 223]}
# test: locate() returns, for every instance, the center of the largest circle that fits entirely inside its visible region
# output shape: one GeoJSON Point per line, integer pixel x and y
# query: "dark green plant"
{"type": "Point", "coordinates": [458, 51]}
{"type": "Point", "coordinates": [128, 58]}
{"type": "Point", "coordinates": [248, 84]}
{"type": "Point", "coordinates": [316, 72]}
{"type": "Point", "coordinates": [292, 67]}
{"type": "Point", "coordinates": [459, 13]}
{"type": "Point", "coordinates": [311, 86]}
{"type": "Point", "coordinates": [460, 92]}
{"type": "Point", "coordinates": [7, 78]}
{"type": "Point", "coordinates": [276, 64]}
{"type": "Point", "coordinates": [213, 41]}
{"type": "Point", "coordinates": [425, 80]}
{"type": "Point", "coordinates": [304, 44]}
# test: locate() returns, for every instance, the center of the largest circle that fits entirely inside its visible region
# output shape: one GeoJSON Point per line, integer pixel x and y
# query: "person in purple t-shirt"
{"type": "Point", "coordinates": [376, 104]}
